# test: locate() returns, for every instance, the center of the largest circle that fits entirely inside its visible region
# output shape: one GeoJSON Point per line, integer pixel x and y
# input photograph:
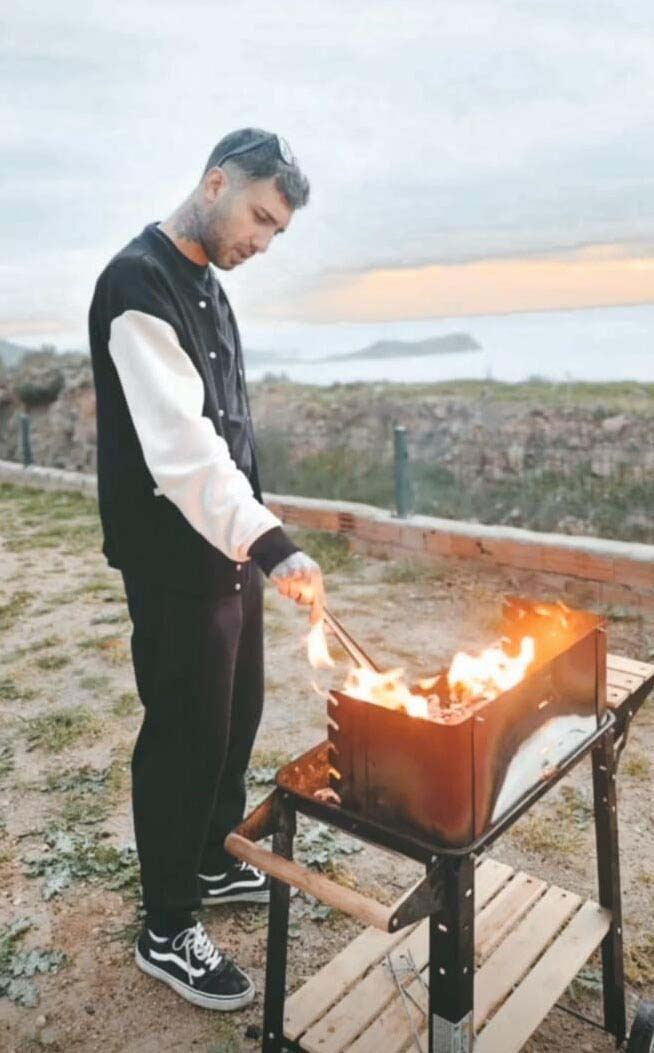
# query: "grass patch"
{"type": "Point", "coordinates": [55, 731]}
{"type": "Point", "coordinates": [18, 967]}
{"type": "Point", "coordinates": [89, 793]}
{"type": "Point", "coordinates": [227, 1037]}
{"type": "Point", "coordinates": [111, 619]}
{"type": "Point", "coordinates": [322, 847]}
{"type": "Point", "coordinates": [575, 807]}
{"type": "Point", "coordinates": [637, 765]}
{"type": "Point", "coordinates": [13, 609]}
{"type": "Point", "coordinates": [126, 705]}
{"type": "Point", "coordinates": [264, 766]}
{"type": "Point", "coordinates": [39, 645]}
{"type": "Point", "coordinates": [547, 836]}
{"type": "Point", "coordinates": [113, 649]}
{"type": "Point", "coordinates": [83, 857]}
{"type": "Point", "coordinates": [411, 572]}
{"type": "Point", "coordinates": [95, 683]}
{"type": "Point", "coordinates": [12, 691]}
{"type": "Point", "coordinates": [50, 662]}
{"type": "Point", "coordinates": [6, 760]}
{"type": "Point", "coordinates": [71, 537]}
{"type": "Point", "coordinates": [639, 961]}
{"type": "Point", "coordinates": [331, 551]}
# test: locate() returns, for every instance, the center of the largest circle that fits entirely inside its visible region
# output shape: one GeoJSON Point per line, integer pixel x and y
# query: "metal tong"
{"type": "Point", "coordinates": [356, 653]}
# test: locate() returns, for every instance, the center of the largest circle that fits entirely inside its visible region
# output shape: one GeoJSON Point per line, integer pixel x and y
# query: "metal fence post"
{"type": "Point", "coordinates": [26, 442]}
{"type": "Point", "coordinates": [402, 483]}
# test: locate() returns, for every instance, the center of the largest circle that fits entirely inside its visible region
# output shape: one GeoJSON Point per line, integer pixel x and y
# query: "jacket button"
{"type": "Point", "coordinates": [221, 413]}
{"type": "Point", "coordinates": [238, 566]}
{"type": "Point", "coordinates": [202, 303]}
{"type": "Point", "coordinates": [212, 354]}
{"type": "Point", "coordinates": [237, 587]}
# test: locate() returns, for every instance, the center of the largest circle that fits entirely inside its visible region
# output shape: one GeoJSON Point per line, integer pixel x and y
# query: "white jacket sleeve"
{"type": "Point", "coordinates": [190, 463]}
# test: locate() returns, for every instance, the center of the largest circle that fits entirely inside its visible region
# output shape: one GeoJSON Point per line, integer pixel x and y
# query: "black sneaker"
{"type": "Point", "coordinates": [240, 883]}
{"type": "Point", "coordinates": [190, 964]}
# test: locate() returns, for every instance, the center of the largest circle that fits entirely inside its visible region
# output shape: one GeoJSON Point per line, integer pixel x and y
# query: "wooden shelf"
{"type": "Point", "coordinates": [531, 939]}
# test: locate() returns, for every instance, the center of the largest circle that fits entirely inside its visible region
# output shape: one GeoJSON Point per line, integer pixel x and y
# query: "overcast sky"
{"type": "Point", "coordinates": [438, 137]}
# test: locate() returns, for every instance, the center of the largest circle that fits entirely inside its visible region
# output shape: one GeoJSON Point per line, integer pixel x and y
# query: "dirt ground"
{"type": "Point", "coordinates": [69, 716]}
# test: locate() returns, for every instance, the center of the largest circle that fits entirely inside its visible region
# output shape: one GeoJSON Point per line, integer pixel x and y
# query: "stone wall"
{"type": "Point", "coordinates": [472, 435]}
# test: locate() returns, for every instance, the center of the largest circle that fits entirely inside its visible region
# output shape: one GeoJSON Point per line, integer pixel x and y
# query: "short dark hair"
{"type": "Point", "coordinates": [261, 162]}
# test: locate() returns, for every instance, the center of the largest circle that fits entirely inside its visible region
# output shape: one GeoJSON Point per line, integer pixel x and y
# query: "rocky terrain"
{"type": "Point", "coordinates": [466, 433]}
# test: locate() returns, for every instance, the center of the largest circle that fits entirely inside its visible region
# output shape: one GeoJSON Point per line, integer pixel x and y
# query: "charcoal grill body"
{"type": "Point", "coordinates": [451, 782]}
{"type": "Point", "coordinates": [446, 895]}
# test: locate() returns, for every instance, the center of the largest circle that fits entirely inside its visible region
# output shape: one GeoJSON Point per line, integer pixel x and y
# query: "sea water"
{"type": "Point", "coordinates": [601, 343]}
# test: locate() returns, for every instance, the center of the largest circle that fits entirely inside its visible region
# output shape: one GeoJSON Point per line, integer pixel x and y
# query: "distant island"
{"type": "Point", "coordinates": [451, 344]}
{"type": "Point", "coordinates": [11, 354]}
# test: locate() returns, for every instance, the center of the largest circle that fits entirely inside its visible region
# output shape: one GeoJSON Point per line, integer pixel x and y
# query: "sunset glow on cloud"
{"type": "Point", "coordinates": [596, 276]}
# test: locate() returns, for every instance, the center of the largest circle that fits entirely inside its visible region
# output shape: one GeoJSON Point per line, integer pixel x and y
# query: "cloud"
{"type": "Point", "coordinates": [448, 134]}
{"type": "Point", "coordinates": [602, 275]}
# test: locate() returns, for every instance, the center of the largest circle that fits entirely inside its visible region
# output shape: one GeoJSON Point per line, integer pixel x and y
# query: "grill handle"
{"type": "Point", "coordinates": [351, 902]}
{"type": "Point", "coordinates": [356, 653]}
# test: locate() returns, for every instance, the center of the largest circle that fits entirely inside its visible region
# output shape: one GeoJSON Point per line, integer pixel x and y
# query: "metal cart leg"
{"type": "Point", "coordinates": [608, 869]}
{"type": "Point", "coordinates": [280, 893]}
{"type": "Point", "coordinates": [452, 960]}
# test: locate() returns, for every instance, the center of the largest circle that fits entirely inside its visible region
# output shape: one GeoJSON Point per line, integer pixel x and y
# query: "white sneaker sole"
{"type": "Point", "coordinates": [224, 1003]}
{"type": "Point", "coordinates": [237, 897]}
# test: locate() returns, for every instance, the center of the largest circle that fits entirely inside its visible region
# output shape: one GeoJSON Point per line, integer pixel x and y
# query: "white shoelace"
{"type": "Point", "coordinates": [196, 940]}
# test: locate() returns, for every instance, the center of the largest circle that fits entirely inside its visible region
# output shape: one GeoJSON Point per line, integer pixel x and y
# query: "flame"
{"type": "Point", "coordinates": [317, 650]}
{"type": "Point", "coordinates": [385, 689]}
{"type": "Point", "coordinates": [490, 673]}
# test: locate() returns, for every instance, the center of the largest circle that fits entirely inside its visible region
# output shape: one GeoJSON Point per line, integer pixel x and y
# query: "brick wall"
{"type": "Point", "coordinates": [591, 571]}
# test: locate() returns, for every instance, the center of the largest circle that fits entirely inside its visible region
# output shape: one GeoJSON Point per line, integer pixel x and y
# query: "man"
{"type": "Point", "coordinates": [183, 520]}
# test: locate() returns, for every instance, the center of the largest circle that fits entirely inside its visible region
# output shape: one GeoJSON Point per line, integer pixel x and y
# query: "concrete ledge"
{"type": "Point", "coordinates": [615, 572]}
{"type": "Point", "coordinates": [623, 569]}
{"type": "Point", "coordinates": [47, 478]}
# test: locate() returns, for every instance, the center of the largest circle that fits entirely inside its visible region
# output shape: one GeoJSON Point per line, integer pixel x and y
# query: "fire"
{"type": "Point", "coordinates": [385, 689]}
{"type": "Point", "coordinates": [487, 675]}
{"type": "Point", "coordinates": [470, 679]}
{"type": "Point", "coordinates": [317, 649]}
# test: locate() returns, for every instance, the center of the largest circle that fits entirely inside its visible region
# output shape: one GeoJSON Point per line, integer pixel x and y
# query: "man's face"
{"type": "Point", "coordinates": [239, 220]}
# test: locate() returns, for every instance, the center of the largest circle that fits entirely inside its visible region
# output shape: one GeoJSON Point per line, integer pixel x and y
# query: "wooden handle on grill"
{"type": "Point", "coordinates": [367, 910]}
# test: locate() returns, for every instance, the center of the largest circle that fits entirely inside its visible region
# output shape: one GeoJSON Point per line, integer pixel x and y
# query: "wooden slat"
{"type": "Point", "coordinates": [615, 696]}
{"type": "Point", "coordinates": [364, 1003]}
{"type": "Point", "coordinates": [391, 1031]}
{"type": "Point", "coordinates": [628, 681]}
{"type": "Point", "coordinates": [310, 1005]}
{"type": "Point", "coordinates": [490, 877]}
{"type": "Point", "coordinates": [629, 665]}
{"type": "Point", "coordinates": [530, 1003]}
{"type": "Point", "coordinates": [504, 912]}
{"type": "Point", "coordinates": [523, 946]}
{"type": "Point", "coordinates": [331, 982]}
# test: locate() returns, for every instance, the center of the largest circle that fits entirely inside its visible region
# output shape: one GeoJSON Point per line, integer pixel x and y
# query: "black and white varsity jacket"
{"type": "Point", "coordinates": [175, 507]}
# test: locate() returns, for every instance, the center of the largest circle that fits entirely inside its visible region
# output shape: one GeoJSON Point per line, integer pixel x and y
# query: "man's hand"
{"type": "Point", "coordinates": [299, 577]}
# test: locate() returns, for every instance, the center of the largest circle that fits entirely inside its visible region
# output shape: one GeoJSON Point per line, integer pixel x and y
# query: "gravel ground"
{"type": "Point", "coordinates": [70, 715]}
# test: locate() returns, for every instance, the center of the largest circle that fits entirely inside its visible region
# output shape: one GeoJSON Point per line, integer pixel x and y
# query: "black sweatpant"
{"type": "Point", "coordinates": [199, 670]}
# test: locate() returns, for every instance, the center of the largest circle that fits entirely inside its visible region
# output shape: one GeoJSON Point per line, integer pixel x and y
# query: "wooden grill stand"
{"type": "Point", "coordinates": [528, 941]}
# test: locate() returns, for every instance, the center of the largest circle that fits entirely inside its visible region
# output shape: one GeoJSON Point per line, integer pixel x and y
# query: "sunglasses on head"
{"type": "Point", "coordinates": [283, 149]}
